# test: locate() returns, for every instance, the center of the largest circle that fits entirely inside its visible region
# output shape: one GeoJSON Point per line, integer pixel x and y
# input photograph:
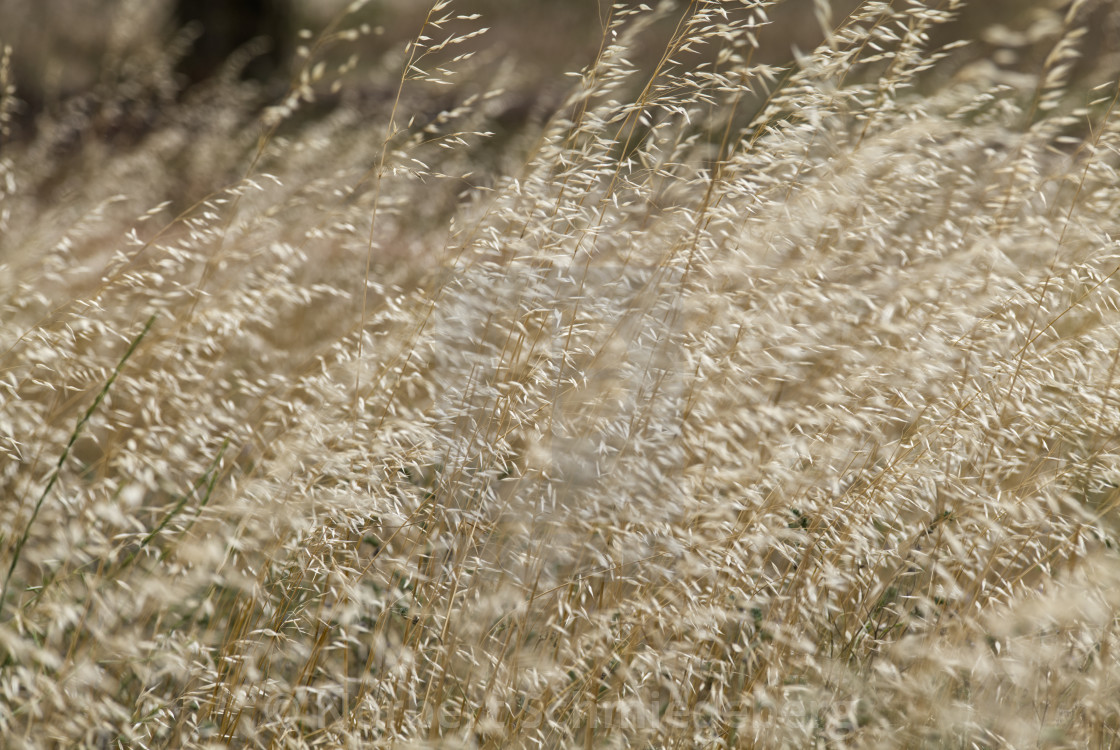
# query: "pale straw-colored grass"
{"type": "Point", "coordinates": [729, 405]}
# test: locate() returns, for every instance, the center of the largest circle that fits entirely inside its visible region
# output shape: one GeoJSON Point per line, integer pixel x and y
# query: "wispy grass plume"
{"type": "Point", "coordinates": [731, 391]}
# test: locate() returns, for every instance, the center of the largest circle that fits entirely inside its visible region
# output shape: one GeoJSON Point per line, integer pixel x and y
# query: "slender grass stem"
{"type": "Point", "coordinates": [78, 428]}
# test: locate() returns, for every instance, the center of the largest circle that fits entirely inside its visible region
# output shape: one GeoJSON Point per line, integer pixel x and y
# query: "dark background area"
{"type": "Point", "coordinates": [76, 55]}
{"type": "Point", "coordinates": [224, 26]}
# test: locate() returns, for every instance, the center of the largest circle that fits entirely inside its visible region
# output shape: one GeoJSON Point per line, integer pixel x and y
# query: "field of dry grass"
{"type": "Point", "coordinates": [747, 386]}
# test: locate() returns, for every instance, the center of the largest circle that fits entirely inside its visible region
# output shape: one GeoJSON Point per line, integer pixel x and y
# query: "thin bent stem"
{"type": "Point", "coordinates": [78, 428]}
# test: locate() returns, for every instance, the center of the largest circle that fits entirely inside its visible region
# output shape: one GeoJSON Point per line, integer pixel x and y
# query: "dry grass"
{"type": "Point", "coordinates": [717, 403]}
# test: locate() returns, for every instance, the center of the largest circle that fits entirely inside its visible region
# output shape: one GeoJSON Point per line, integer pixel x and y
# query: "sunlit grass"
{"type": "Point", "coordinates": [717, 403]}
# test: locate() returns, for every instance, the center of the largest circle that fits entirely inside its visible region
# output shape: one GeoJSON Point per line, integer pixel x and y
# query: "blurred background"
{"type": "Point", "coordinates": [105, 74]}
{"type": "Point", "coordinates": [64, 48]}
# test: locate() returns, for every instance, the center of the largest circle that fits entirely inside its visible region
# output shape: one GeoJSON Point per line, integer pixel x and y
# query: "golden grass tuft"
{"type": "Point", "coordinates": [701, 401]}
